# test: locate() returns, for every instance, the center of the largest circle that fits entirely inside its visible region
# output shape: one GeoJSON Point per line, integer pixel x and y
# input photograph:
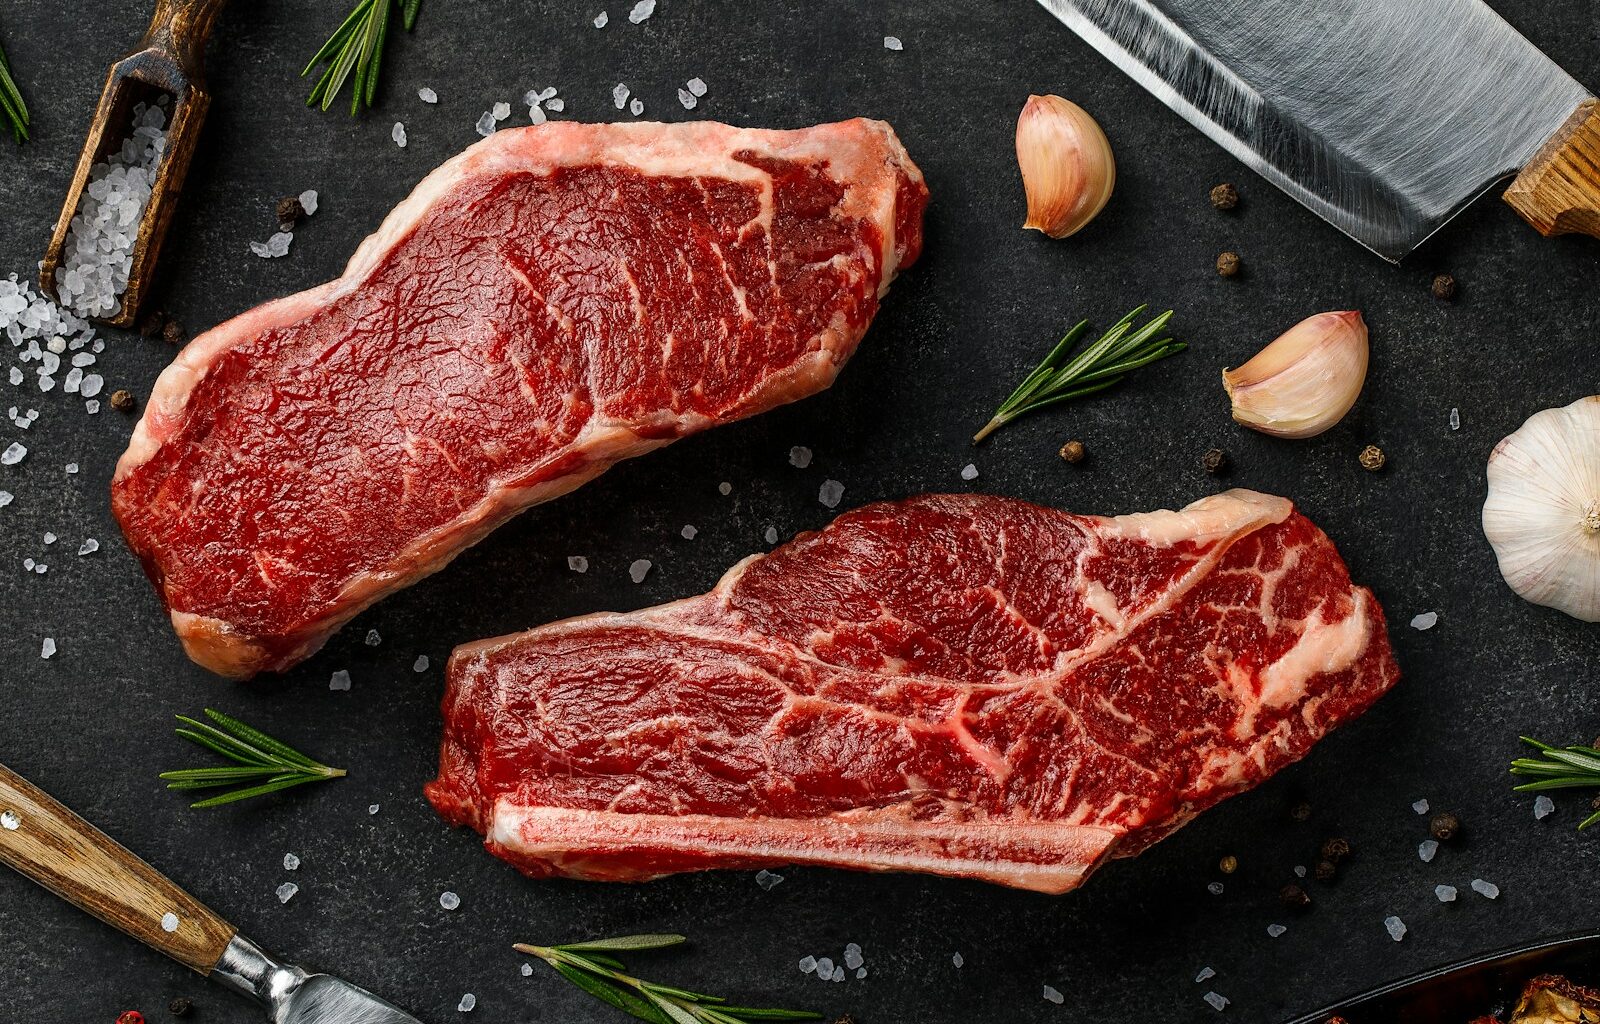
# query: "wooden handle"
{"type": "Point", "coordinates": [1559, 191]}
{"type": "Point", "coordinates": [180, 28]}
{"type": "Point", "coordinates": [82, 865]}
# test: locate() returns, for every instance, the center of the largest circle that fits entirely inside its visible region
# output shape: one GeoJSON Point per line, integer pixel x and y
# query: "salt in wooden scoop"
{"type": "Point", "coordinates": [168, 62]}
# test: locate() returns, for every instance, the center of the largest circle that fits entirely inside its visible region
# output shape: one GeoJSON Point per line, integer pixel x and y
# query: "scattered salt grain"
{"type": "Point", "coordinates": [16, 375]}
{"type": "Point", "coordinates": [1427, 620]}
{"type": "Point", "coordinates": [1395, 927]}
{"type": "Point", "coordinates": [308, 198]}
{"type": "Point", "coordinates": [49, 538]}
{"type": "Point", "coordinates": [427, 95]}
{"type": "Point", "coordinates": [286, 892]}
{"type": "Point", "coordinates": [861, 972]}
{"type": "Point", "coordinates": [969, 472]}
{"type": "Point", "coordinates": [398, 134]}
{"type": "Point", "coordinates": [1053, 996]}
{"type": "Point", "coordinates": [1214, 888]}
{"type": "Point", "coordinates": [373, 809]}
{"type": "Point", "coordinates": [1299, 871]}
{"type": "Point", "coordinates": [642, 10]}
{"type": "Point", "coordinates": [556, 105]}
{"type": "Point", "coordinates": [373, 639]}
{"type": "Point", "coordinates": [340, 680]}
{"type": "Point", "coordinates": [421, 664]}
{"type": "Point", "coordinates": [486, 124]}
{"type": "Point", "coordinates": [14, 454]}
{"type": "Point", "coordinates": [892, 43]}
{"type": "Point", "coordinates": [808, 964]}
{"type": "Point", "coordinates": [601, 19]}
{"type": "Point", "coordinates": [501, 110]}
{"type": "Point", "coordinates": [1420, 806]}
{"type": "Point", "coordinates": [449, 900]}
{"type": "Point", "coordinates": [619, 95]}
{"type": "Point", "coordinates": [46, 383]}
{"type": "Point", "coordinates": [1426, 849]}
{"type": "Point", "coordinates": [291, 862]}
{"type": "Point", "coordinates": [1215, 1001]}
{"type": "Point", "coordinates": [771, 535]}
{"type": "Point", "coordinates": [825, 968]}
{"type": "Point", "coordinates": [6, 497]}
{"type": "Point", "coordinates": [639, 570]}
{"type": "Point", "coordinates": [697, 86]}
{"type": "Point", "coordinates": [957, 959]}
{"type": "Point", "coordinates": [1275, 930]}
{"type": "Point", "coordinates": [41, 568]}
{"type": "Point", "coordinates": [577, 563]}
{"type": "Point", "coordinates": [636, 107]}
{"type": "Point", "coordinates": [1488, 890]}
{"type": "Point", "coordinates": [799, 457]}
{"type": "Point", "coordinates": [724, 488]}
{"type": "Point", "coordinates": [47, 650]}
{"type": "Point", "coordinates": [838, 974]}
{"type": "Point", "coordinates": [527, 970]}
{"type": "Point", "coordinates": [468, 1002]}
{"type": "Point", "coordinates": [92, 406]}
{"type": "Point", "coordinates": [169, 922]}
{"type": "Point", "coordinates": [767, 879]}
{"type": "Point", "coordinates": [27, 563]}
{"type": "Point", "coordinates": [536, 115]}
{"type": "Point", "coordinates": [1455, 419]}
{"type": "Point", "coordinates": [1206, 974]}
{"type": "Point", "coordinates": [688, 533]}
{"type": "Point", "coordinates": [1445, 893]}
{"type": "Point", "coordinates": [1543, 807]}
{"type": "Point", "coordinates": [830, 493]}
{"type": "Point", "coordinates": [852, 956]}
{"type": "Point", "coordinates": [688, 99]}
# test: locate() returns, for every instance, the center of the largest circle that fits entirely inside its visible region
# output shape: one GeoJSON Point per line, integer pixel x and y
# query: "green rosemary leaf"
{"type": "Point", "coordinates": [255, 755]}
{"type": "Point", "coordinates": [12, 105]}
{"type": "Point", "coordinates": [751, 1013]}
{"type": "Point", "coordinates": [259, 739]}
{"type": "Point", "coordinates": [673, 1009]}
{"type": "Point", "coordinates": [625, 943]}
{"type": "Point", "coordinates": [408, 14]}
{"type": "Point", "coordinates": [1576, 767]}
{"type": "Point", "coordinates": [684, 994]}
{"type": "Point", "coordinates": [1590, 820]}
{"type": "Point", "coordinates": [354, 53]}
{"type": "Point", "coordinates": [222, 743]}
{"type": "Point", "coordinates": [607, 992]}
{"type": "Point", "coordinates": [1565, 782]}
{"type": "Point", "coordinates": [235, 795]}
{"type": "Point", "coordinates": [371, 83]}
{"type": "Point", "coordinates": [1103, 363]}
{"type": "Point", "coordinates": [336, 41]}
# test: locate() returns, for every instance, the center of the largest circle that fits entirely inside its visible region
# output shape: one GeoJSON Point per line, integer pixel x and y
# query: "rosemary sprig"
{"type": "Point", "coordinates": [591, 967]}
{"type": "Point", "coordinates": [1560, 768]}
{"type": "Point", "coordinates": [263, 764]}
{"type": "Point", "coordinates": [1117, 353]}
{"type": "Point", "coordinates": [12, 108]}
{"type": "Point", "coordinates": [357, 45]}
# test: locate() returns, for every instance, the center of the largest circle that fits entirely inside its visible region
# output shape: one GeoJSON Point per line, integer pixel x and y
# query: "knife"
{"type": "Point", "coordinates": [76, 861]}
{"type": "Point", "coordinates": [1384, 117]}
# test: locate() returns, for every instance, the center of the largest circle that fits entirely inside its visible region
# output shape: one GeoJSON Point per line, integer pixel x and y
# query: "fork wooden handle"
{"type": "Point", "coordinates": [180, 29]}
{"type": "Point", "coordinates": [76, 861]}
{"type": "Point", "coordinates": [1559, 191]}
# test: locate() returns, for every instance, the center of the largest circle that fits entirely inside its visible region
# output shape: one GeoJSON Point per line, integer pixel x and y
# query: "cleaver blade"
{"type": "Point", "coordinates": [1384, 117]}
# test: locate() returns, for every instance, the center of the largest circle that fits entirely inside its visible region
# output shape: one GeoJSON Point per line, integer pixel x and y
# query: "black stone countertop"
{"type": "Point", "coordinates": [92, 724]}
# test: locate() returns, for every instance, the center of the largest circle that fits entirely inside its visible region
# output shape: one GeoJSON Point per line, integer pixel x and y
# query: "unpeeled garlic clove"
{"type": "Point", "coordinates": [1306, 380]}
{"type": "Point", "coordinates": [1067, 167]}
{"type": "Point", "coordinates": [1542, 515]}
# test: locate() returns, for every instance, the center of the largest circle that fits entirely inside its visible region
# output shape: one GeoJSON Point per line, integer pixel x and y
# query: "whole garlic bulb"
{"type": "Point", "coordinates": [1542, 515]}
{"type": "Point", "coordinates": [1305, 380]}
{"type": "Point", "coordinates": [1067, 167]}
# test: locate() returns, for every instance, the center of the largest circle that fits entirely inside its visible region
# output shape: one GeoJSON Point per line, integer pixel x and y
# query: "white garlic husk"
{"type": "Point", "coordinates": [1306, 380]}
{"type": "Point", "coordinates": [1542, 515]}
{"type": "Point", "coordinates": [1068, 171]}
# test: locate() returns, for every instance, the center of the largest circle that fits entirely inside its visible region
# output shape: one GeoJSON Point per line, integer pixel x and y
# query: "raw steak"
{"type": "Point", "coordinates": [551, 301]}
{"type": "Point", "coordinates": [961, 685]}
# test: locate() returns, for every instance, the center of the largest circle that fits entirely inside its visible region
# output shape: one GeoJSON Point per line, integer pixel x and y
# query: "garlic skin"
{"type": "Point", "coordinates": [1542, 515]}
{"type": "Point", "coordinates": [1068, 171]}
{"type": "Point", "coordinates": [1305, 380]}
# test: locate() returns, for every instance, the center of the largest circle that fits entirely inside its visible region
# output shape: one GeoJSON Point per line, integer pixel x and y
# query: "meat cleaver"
{"type": "Point", "coordinates": [76, 861]}
{"type": "Point", "coordinates": [1385, 117]}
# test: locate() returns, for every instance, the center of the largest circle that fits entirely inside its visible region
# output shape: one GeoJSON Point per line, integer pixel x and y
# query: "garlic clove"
{"type": "Point", "coordinates": [1542, 513]}
{"type": "Point", "coordinates": [1068, 171]}
{"type": "Point", "coordinates": [1305, 380]}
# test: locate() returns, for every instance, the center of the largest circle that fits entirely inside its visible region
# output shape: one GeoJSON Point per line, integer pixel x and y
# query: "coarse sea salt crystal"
{"type": "Point", "coordinates": [49, 538]}
{"type": "Point", "coordinates": [556, 105]}
{"type": "Point", "coordinates": [527, 970]}
{"type": "Point", "coordinates": [92, 406]}
{"type": "Point", "coordinates": [724, 488]}
{"type": "Point", "coordinates": [825, 968]}
{"type": "Point", "coordinates": [1427, 620]}
{"type": "Point", "coordinates": [308, 199]}
{"type": "Point", "coordinates": [619, 95]}
{"type": "Point", "coordinates": [1445, 893]}
{"type": "Point", "coordinates": [421, 664]}
{"type": "Point", "coordinates": [892, 43]}
{"type": "Point", "coordinates": [373, 809]}
{"type": "Point", "coordinates": [1420, 806]}
{"type": "Point", "coordinates": [1543, 807]}
{"type": "Point", "coordinates": [486, 124]}
{"type": "Point", "coordinates": [601, 19]}
{"type": "Point", "coordinates": [639, 569]}
{"type": "Point", "coordinates": [47, 650]}
{"type": "Point", "coordinates": [501, 110]}
{"type": "Point", "coordinates": [340, 680]}
{"type": "Point", "coordinates": [16, 375]}
{"type": "Point", "coordinates": [1455, 419]}
{"type": "Point", "coordinates": [830, 493]}
{"type": "Point", "coordinates": [41, 568]}
{"type": "Point", "coordinates": [1206, 974]}
{"type": "Point", "coordinates": [1395, 927]}
{"type": "Point", "coordinates": [771, 535]}
{"type": "Point", "coordinates": [577, 563]}
{"type": "Point", "coordinates": [697, 86]}
{"type": "Point", "coordinates": [689, 532]}
{"type": "Point", "coordinates": [6, 498]}
{"type": "Point", "coordinates": [373, 639]}
{"type": "Point", "coordinates": [969, 472]}
{"type": "Point", "coordinates": [636, 107]}
{"type": "Point", "coordinates": [1215, 1001]}
{"type": "Point", "coordinates": [89, 546]}
{"type": "Point", "coordinates": [286, 892]}
{"type": "Point", "coordinates": [1276, 930]}
{"type": "Point", "coordinates": [861, 972]}
{"type": "Point", "coordinates": [427, 95]}
{"type": "Point", "coordinates": [1214, 888]}
{"type": "Point", "coordinates": [468, 1003]}
{"type": "Point", "coordinates": [1426, 849]}
{"type": "Point", "coordinates": [1051, 995]}
{"type": "Point", "coordinates": [957, 960]}
{"type": "Point", "coordinates": [72, 467]}
{"type": "Point", "coordinates": [853, 957]}
{"type": "Point", "coordinates": [767, 879]}
{"type": "Point", "coordinates": [169, 922]}
{"type": "Point", "coordinates": [1487, 890]}
{"type": "Point", "coordinates": [291, 862]}
{"type": "Point", "coordinates": [398, 134]}
{"type": "Point", "coordinates": [687, 98]}
{"type": "Point", "coordinates": [449, 900]}
{"type": "Point", "coordinates": [13, 454]}
{"type": "Point", "coordinates": [642, 10]}
{"type": "Point", "coordinates": [799, 457]}
{"type": "Point", "coordinates": [808, 964]}
{"type": "Point", "coordinates": [536, 116]}
{"type": "Point", "coordinates": [838, 974]}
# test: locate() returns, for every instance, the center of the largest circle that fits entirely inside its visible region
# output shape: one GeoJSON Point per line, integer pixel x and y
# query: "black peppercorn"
{"type": "Point", "coordinates": [289, 212]}
{"type": "Point", "coordinates": [1228, 865]}
{"type": "Point", "coordinates": [1444, 826]}
{"type": "Point", "coordinates": [1595, 803]}
{"type": "Point", "coordinates": [1214, 461]}
{"type": "Point", "coordinates": [1371, 458]}
{"type": "Point", "coordinates": [1444, 288]}
{"type": "Point", "coordinates": [1074, 452]}
{"type": "Point", "coordinates": [122, 400]}
{"type": "Point", "coordinates": [846, 1019]}
{"type": "Point", "coordinates": [1225, 196]}
{"type": "Point", "coordinates": [1300, 811]}
{"type": "Point", "coordinates": [1228, 264]}
{"type": "Point", "coordinates": [151, 323]}
{"type": "Point", "coordinates": [172, 332]}
{"type": "Point", "coordinates": [1326, 870]}
{"type": "Point", "coordinates": [180, 1007]}
{"type": "Point", "coordinates": [1335, 850]}
{"type": "Point", "coordinates": [1293, 896]}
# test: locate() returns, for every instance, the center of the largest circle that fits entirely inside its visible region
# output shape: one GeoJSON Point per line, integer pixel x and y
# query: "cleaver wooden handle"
{"type": "Point", "coordinates": [1559, 191]}
{"type": "Point", "coordinates": [85, 867]}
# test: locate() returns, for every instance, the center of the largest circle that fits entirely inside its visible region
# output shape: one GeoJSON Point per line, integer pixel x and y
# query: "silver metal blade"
{"type": "Point", "coordinates": [291, 995]}
{"type": "Point", "coordinates": [1384, 117]}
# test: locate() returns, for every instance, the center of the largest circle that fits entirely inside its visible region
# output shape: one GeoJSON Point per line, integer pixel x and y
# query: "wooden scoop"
{"type": "Point", "coordinates": [168, 61]}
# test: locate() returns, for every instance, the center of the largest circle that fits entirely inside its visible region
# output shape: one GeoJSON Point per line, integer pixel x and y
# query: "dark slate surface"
{"type": "Point", "coordinates": [92, 724]}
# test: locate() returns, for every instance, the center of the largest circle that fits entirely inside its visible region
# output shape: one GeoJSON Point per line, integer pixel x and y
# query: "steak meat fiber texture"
{"type": "Point", "coordinates": [961, 685]}
{"type": "Point", "coordinates": [548, 303]}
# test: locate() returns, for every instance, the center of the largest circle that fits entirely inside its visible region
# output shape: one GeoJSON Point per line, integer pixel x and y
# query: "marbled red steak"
{"type": "Point", "coordinates": [961, 685]}
{"type": "Point", "coordinates": [550, 302]}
